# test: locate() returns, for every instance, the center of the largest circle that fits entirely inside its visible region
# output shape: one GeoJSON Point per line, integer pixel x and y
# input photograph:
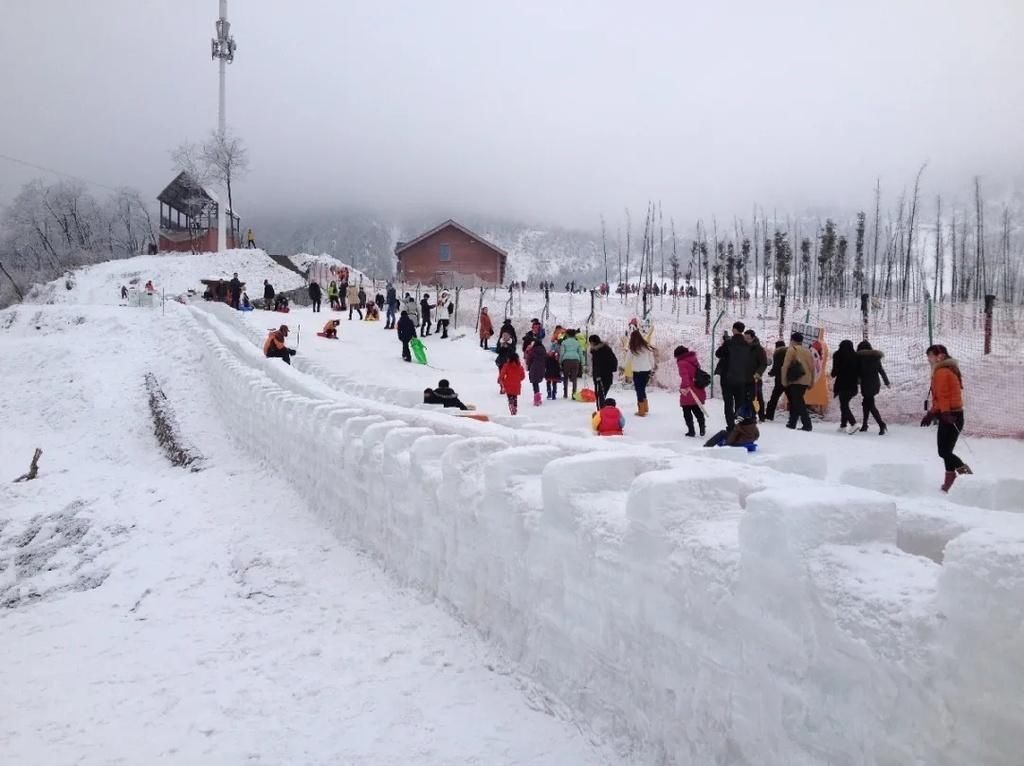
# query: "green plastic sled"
{"type": "Point", "coordinates": [419, 351]}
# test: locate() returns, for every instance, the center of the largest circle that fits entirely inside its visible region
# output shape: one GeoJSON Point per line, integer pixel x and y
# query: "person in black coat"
{"type": "Point", "coordinates": [846, 371]}
{"type": "Point", "coordinates": [315, 294]}
{"type": "Point", "coordinates": [268, 295]}
{"type": "Point", "coordinates": [739, 363]}
{"type": "Point", "coordinates": [603, 364]}
{"type": "Point", "coordinates": [236, 291]}
{"type": "Point", "coordinates": [778, 388]}
{"type": "Point", "coordinates": [506, 327]}
{"type": "Point", "coordinates": [760, 365]}
{"type": "Point", "coordinates": [444, 395]}
{"type": "Point", "coordinates": [872, 375]}
{"type": "Point", "coordinates": [425, 315]}
{"type": "Point", "coordinates": [406, 332]}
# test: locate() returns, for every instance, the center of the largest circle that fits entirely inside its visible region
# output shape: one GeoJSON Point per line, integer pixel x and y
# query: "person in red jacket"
{"type": "Point", "coordinates": [947, 408]}
{"type": "Point", "coordinates": [691, 398]}
{"type": "Point", "coordinates": [608, 421]}
{"type": "Point", "coordinates": [510, 377]}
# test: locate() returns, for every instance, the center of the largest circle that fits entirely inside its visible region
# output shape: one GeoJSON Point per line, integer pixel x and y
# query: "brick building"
{"type": "Point", "coordinates": [450, 255]}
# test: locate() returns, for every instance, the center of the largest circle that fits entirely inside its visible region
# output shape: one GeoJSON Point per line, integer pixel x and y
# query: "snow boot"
{"type": "Point", "coordinates": [852, 429]}
{"type": "Point", "coordinates": [864, 427]}
{"type": "Point", "coordinates": [641, 409]}
{"type": "Point", "coordinates": [536, 399]}
{"type": "Point", "coordinates": [948, 481]}
{"type": "Point", "coordinates": [882, 429]}
{"type": "Point", "coordinates": [965, 470]}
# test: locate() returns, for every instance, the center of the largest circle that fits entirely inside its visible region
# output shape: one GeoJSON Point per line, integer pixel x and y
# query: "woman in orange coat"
{"type": "Point", "coordinates": [486, 328]}
{"type": "Point", "coordinates": [511, 379]}
{"type": "Point", "coordinates": [948, 408]}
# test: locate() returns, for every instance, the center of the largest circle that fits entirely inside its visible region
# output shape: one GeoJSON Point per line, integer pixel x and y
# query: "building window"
{"type": "Point", "coordinates": [446, 252]}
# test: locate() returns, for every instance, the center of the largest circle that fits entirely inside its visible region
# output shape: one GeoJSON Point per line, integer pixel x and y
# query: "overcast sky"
{"type": "Point", "coordinates": [545, 109]}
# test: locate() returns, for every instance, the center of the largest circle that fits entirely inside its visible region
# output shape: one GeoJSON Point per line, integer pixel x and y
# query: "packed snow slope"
{"type": "Point", "coordinates": [817, 602]}
{"type": "Point", "coordinates": [152, 614]}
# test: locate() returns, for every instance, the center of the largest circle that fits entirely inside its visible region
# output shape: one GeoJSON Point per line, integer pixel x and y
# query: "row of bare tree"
{"type": "Point", "coordinates": [899, 258]}
{"type": "Point", "coordinates": [51, 228]}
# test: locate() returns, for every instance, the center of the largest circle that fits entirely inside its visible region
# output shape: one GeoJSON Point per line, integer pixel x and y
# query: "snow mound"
{"type": "Point", "coordinates": [172, 274]}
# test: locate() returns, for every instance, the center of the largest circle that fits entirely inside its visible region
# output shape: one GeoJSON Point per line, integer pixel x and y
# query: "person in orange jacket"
{"type": "Point", "coordinates": [947, 407]}
{"type": "Point", "coordinates": [510, 377]}
{"type": "Point", "coordinates": [608, 421]}
{"type": "Point", "coordinates": [274, 347]}
{"type": "Point", "coordinates": [331, 328]}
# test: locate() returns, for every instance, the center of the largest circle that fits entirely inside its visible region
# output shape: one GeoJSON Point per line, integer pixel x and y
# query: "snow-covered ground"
{"type": "Point", "coordinates": [816, 602]}
{"type": "Point", "coordinates": [149, 613]}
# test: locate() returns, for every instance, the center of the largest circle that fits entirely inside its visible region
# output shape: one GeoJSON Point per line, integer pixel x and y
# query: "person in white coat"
{"type": "Point", "coordinates": [640, 356]}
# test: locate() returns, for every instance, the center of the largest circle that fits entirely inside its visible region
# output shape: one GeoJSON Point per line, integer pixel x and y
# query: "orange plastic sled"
{"type": "Point", "coordinates": [475, 416]}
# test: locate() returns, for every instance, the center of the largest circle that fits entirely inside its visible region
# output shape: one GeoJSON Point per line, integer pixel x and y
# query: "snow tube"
{"type": "Point", "coordinates": [475, 416]}
{"type": "Point", "coordinates": [419, 351]}
{"type": "Point", "coordinates": [585, 395]}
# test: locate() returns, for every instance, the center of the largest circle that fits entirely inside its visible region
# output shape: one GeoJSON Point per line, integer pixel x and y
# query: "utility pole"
{"type": "Point", "coordinates": [222, 48]}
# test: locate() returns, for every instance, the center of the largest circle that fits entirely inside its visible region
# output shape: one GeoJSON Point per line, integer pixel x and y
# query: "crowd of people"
{"type": "Point", "coordinates": [556, 363]}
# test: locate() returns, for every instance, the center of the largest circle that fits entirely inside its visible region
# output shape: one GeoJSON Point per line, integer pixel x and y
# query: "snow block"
{"type": "Point", "coordinates": [811, 465]}
{"type": "Point", "coordinates": [898, 479]}
{"type": "Point", "coordinates": [981, 594]}
{"type": "Point", "coordinates": [1002, 494]}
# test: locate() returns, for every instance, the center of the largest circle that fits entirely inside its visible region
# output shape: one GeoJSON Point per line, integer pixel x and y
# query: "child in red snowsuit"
{"type": "Point", "coordinates": [608, 421]}
{"type": "Point", "coordinates": [511, 378]}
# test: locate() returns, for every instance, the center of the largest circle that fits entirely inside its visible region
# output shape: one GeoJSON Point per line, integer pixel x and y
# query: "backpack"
{"type": "Point", "coordinates": [701, 378]}
{"type": "Point", "coordinates": [796, 371]}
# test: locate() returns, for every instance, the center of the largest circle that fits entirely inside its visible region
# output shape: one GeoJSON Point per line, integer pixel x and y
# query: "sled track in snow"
{"type": "Point", "coordinates": [692, 613]}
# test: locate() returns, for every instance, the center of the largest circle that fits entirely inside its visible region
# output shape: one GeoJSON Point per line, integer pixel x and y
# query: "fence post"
{"type": "Point", "coordinates": [782, 316]}
{"type": "Point", "coordinates": [707, 313]}
{"type": "Point", "coordinates": [479, 307]}
{"type": "Point", "coordinates": [931, 325]}
{"type": "Point", "coordinates": [989, 301]}
{"type": "Point", "coordinates": [591, 317]}
{"type": "Point", "coordinates": [863, 314]}
{"type": "Point", "coordinates": [455, 316]}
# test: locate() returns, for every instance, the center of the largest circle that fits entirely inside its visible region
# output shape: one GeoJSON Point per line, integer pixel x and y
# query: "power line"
{"type": "Point", "coordinates": [55, 172]}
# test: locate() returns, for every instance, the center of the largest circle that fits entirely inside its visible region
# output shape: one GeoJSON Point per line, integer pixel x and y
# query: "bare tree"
{"type": "Point", "coordinates": [227, 158]}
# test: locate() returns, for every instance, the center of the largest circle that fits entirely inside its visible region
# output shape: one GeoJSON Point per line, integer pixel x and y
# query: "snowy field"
{"type": "Point", "coordinates": [816, 602]}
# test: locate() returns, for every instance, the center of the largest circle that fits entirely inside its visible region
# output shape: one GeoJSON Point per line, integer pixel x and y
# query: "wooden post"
{"type": "Point", "coordinates": [864, 314]}
{"type": "Point", "coordinates": [707, 313]}
{"type": "Point", "coordinates": [989, 301]}
{"type": "Point", "coordinates": [33, 469]}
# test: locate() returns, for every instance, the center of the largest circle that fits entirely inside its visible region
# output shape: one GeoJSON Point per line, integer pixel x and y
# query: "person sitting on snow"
{"type": "Point", "coordinates": [331, 328]}
{"type": "Point", "coordinates": [372, 313]}
{"type": "Point", "coordinates": [608, 421]}
{"type": "Point", "coordinates": [274, 347]}
{"type": "Point", "coordinates": [444, 395]}
{"type": "Point", "coordinates": [246, 305]}
{"type": "Point", "coordinates": [742, 434]}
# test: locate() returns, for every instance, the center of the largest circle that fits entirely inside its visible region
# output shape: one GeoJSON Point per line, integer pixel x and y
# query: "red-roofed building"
{"type": "Point", "coordinates": [450, 255]}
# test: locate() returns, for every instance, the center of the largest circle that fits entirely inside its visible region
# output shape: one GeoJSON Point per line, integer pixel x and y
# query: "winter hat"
{"type": "Point", "coordinates": [738, 326]}
{"type": "Point", "coordinates": [609, 402]}
{"type": "Point", "coordinates": [443, 383]}
{"type": "Point", "coordinates": [780, 343]}
{"type": "Point", "coordinates": [594, 339]}
{"type": "Point", "coordinates": [680, 351]}
{"type": "Point", "coordinates": [797, 337]}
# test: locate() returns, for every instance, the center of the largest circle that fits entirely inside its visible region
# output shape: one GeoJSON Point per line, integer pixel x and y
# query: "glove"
{"type": "Point", "coordinates": [292, 351]}
{"type": "Point", "coordinates": [927, 420]}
